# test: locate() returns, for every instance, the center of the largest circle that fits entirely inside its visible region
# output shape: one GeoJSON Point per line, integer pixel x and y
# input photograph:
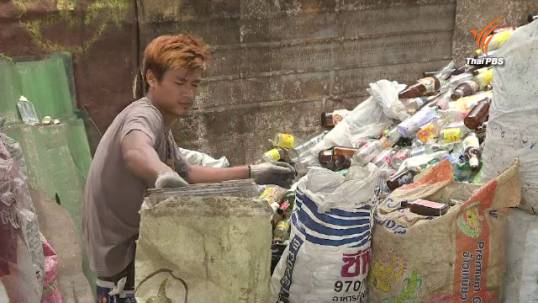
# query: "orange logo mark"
{"type": "Point", "coordinates": [483, 37]}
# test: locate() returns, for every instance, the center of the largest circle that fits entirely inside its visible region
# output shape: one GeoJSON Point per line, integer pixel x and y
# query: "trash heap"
{"type": "Point", "coordinates": [441, 116]}
{"type": "Point", "coordinates": [423, 143]}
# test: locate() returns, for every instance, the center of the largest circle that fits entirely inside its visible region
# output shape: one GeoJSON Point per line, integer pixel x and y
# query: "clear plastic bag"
{"type": "Point", "coordinates": [198, 158]}
{"type": "Point", "coordinates": [21, 252]}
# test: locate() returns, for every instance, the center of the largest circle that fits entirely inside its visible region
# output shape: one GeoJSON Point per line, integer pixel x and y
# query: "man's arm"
{"type": "Point", "coordinates": [203, 174]}
{"type": "Point", "coordinates": [278, 173]}
{"type": "Point", "coordinates": [141, 158]}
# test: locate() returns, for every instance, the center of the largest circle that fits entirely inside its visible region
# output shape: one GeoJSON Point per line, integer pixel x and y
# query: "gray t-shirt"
{"type": "Point", "coordinates": [113, 195]}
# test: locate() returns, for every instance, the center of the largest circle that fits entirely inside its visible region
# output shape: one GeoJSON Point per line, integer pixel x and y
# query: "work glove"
{"type": "Point", "coordinates": [279, 173]}
{"type": "Point", "coordinates": [170, 179]}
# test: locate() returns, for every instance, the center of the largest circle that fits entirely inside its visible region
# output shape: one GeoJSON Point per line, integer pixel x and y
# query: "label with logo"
{"type": "Point", "coordinates": [451, 135]}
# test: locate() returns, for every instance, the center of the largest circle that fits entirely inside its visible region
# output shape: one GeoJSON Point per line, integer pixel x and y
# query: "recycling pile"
{"type": "Point", "coordinates": [418, 149]}
{"type": "Point", "coordinates": [442, 116]}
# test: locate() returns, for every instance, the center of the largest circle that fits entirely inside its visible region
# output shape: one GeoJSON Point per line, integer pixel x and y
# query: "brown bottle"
{"type": "Point", "coordinates": [478, 115]}
{"type": "Point", "coordinates": [427, 208]}
{"type": "Point", "coordinates": [337, 157]}
{"type": "Point", "coordinates": [397, 180]}
{"type": "Point", "coordinates": [423, 87]}
{"type": "Point", "coordinates": [467, 88]}
{"type": "Point", "coordinates": [330, 119]}
{"type": "Point", "coordinates": [342, 156]}
{"type": "Point", "coordinates": [325, 158]}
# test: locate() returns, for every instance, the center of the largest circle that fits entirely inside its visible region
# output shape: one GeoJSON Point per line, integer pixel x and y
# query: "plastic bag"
{"type": "Point", "coordinates": [385, 93]}
{"type": "Point", "coordinates": [328, 256]}
{"type": "Point", "coordinates": [21, 252]}
{"type": "Point", "coordinates": [368, 119]}
{"type": "Point", "coordinates": [198, 158]}
{"type": "Point", "coordinates": [511, 129]}
{"type": "Point", "coordinates": [456, 257]}
{"type": "Point", "coordinates": [51, 292]}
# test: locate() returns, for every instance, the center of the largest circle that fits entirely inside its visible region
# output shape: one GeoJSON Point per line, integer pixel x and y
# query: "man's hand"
{"type": "Point", "coordinates": [169, 179]}
{"type": "Point", "coordinates": [279, 173]}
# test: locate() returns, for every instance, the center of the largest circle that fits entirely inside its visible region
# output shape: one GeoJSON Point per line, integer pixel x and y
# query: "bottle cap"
{"type": "Point", "coordinates": [473, 162]}
{"type": "Point", "coordinates": [272, 155]}
{"type": "Point", "coordinates": [285, 141]}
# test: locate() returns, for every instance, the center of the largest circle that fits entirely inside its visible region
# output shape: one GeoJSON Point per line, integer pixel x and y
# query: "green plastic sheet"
{"type": "Point", "coordinates": [57, 157]}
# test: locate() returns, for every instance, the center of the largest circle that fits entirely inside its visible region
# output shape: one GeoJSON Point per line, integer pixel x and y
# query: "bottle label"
{"type": "Point", "coordinates": [471, 141]}
{"type": "Point", "coordinates": [339, 115]}
{"type": "Point", "coordinates": [429, 83]}
{"type": "Point", "coordinates": [427, 132]}
{"type": "Point", "coordinates": [451, 135]}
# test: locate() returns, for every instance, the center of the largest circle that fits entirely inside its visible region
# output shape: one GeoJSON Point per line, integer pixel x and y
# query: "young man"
{"type": "Point", "coordinates": [138, 152]}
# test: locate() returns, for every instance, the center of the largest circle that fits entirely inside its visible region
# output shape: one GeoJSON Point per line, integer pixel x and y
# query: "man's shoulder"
{"type": "Point", "coordinates": [144, 107]}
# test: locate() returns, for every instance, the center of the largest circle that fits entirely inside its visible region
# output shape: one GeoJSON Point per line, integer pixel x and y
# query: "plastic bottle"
{"type": "Point", "coordinates": [471, 149]}
{"type": "Point", "coordinates": [282, 231]}
{"type": "Point", "coordinates": [390, 138]}
{"type": "Point", "coordinates": [420, 162]}
{"type": "Point", "coordinates": [399, 157]}
{"type": "Point", "coordinates": [454, 132]}
{"type": "Point", "coordinates": [370, 150]}
{"type": "Point", "coordinates": [410, 126]}
{"type": "Point", "coordinates": [427, 133]}
{"type": "Point", "coordinates": [27, 111]}
{"type": "Point", "coordinates": [301, 151]}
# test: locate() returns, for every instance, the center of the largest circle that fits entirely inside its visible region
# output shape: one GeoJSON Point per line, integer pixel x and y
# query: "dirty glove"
{"type": "Point", "coordinates": [169, 179]}
{"type": "Point", "coordinates": [279, 173]}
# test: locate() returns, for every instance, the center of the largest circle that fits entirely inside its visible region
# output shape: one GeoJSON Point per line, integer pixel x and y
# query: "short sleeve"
{"type": "Point", "coordinates": [180, 163]}
{"type": "Point", "coordinates": [144, 118]}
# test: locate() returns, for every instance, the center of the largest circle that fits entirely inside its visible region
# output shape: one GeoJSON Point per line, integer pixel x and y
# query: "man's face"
{"type": "Point", "coordinates": [175, 93]}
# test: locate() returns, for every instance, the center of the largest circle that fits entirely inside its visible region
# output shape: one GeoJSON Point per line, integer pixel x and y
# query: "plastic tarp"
{"type": "Point", "coordinates": [46, 83]}
{"type": "Point", "coordinates": [57, 156]}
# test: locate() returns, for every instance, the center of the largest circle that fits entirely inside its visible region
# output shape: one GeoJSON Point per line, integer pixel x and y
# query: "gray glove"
{"type": "Point", "coordinates": [279, 173]}
{"type": "Point", "coordinates": [169, 179]}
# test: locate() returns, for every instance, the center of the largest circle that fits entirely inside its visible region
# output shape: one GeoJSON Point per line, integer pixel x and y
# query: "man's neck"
{"type": "Point", "coordinates": [169, 120]}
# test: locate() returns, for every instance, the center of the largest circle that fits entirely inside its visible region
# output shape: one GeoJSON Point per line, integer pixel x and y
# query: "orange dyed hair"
{"type": "Point", "coordinates": [174, 52]}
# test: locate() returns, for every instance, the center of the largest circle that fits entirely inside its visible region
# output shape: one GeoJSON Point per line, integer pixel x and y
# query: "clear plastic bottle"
{"type": "Point", "coordinates": [27, 111]}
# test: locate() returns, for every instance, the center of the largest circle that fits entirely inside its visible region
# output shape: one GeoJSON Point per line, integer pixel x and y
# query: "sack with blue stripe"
{"type": "Point", "coordinates": [328, 254]}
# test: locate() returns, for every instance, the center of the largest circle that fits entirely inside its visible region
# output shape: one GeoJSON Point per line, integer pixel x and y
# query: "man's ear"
{"type": "Point", "coordinates": [151, 79]}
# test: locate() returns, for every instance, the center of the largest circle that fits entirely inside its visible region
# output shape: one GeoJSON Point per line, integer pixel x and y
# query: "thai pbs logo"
{"type": "Point", "coordinates": [483, 38]}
